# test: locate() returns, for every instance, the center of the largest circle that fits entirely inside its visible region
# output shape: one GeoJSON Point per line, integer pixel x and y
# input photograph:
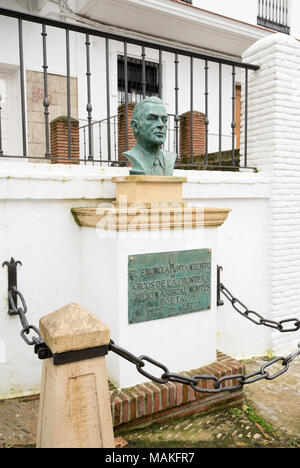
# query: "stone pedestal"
{"type": "Point", "coordinates": [115, 235]}
{"type": "Point", "coordinates": [74, 404]}
{"type": "Point", "coordinates": [148, 189]}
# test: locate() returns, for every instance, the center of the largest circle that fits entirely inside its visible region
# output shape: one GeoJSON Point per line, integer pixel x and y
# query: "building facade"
{"type": "Point", "coordinates": [229, 76]}
{"type": "Point", "coordinates": [207, 29]}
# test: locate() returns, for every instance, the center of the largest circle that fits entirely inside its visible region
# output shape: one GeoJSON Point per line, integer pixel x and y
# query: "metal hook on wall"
{"type": "Point", "coordinates": [12, 285]}
{"type": "Point", "coordinates": [219, 301]}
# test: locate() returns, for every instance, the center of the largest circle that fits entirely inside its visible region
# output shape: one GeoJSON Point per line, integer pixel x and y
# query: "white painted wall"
{"type": "Point", "coordinates": [36, 227]}
{"type": "Point", "coordinates": [241, 252]}
{"type": "Point", "coordinates": [33, 53]}
{"type": "Point", "coordinates": [274, 147]}
{"type": "Point", "coordinates": [10, 104]}
{"type": "Point", "coordinates": [294, 18]}
{"type": "Point", "coordinates": [242, 11]}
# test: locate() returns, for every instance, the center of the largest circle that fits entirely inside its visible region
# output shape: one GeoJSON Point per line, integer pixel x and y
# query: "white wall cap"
{"type": "Point", "coordinates": [264, 43]}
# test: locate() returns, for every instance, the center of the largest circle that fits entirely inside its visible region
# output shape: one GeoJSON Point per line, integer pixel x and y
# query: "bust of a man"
{"type": "Point", "coordinates": [149, 124]}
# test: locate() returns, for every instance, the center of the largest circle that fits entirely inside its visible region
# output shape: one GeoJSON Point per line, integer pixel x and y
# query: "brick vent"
{"type": "Point", "coordinates": [122, 130]}
{"type": "Point", "coordinates": [151, 402]}
{"type": "Point", "coordinates": [59, 141]}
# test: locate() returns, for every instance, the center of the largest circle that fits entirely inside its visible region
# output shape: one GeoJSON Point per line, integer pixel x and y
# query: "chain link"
{"type": "Point", "coordinates": [125, 354]}
{"type": "Point", "coordinates": [40, 347]}
{"type": "Point", "coordinates": [257, 318]}
{"type": "Point", "coordinates": [212, 383]}
{"type": "Point", "coordinates": [21, 311]}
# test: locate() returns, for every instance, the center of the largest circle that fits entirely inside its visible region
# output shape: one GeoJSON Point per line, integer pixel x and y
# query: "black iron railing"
{"type": "Point", "coordinates": [202, 70]}
{"type": "Point", "coordinates": [274, 14]}
{"type": "Point", "coordinates": [93, 143]}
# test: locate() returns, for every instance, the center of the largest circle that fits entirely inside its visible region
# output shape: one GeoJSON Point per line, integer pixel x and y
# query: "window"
{"type": "Point", "coordinates": [134, 79]}
{"type": "Point", "coordinates": [274, 14]}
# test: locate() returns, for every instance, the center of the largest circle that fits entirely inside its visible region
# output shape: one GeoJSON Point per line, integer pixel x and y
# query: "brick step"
{"type": "Point", "coordinates": [151, 402]}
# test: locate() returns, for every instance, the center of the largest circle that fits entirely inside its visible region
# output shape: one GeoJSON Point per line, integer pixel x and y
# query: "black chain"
{"type": "Point", "coordinates": [218, 385]}
{"type": "Point", "coordinates": [40, 347]}
{"type": "Point", "coordinates": [255, 317]}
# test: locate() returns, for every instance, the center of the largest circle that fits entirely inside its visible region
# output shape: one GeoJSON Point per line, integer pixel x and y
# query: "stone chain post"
{"type": "Point", "coordinates": [75, 407]}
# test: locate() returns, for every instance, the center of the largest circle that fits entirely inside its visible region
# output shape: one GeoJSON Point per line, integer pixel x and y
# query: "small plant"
{"type": "Point", "coordinates": [293, 443]}
{"type": "Point", "coordinates": [236, 412]}
{"type": "Point", "coordinates": [256, 419]}
{"type": "Point", "coordinates": [269, 356]}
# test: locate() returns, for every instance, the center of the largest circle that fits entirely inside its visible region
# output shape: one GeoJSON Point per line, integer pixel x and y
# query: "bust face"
{"type": "Point", "coordinates": [151, 129]}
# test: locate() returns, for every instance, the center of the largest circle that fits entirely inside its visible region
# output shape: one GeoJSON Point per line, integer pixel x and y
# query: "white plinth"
{"type": "Point", "coordinates": [182, 342]}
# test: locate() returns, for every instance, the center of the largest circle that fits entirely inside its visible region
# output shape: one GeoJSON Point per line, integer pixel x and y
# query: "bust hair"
{"type": "Point", "coordinates": [138, 108]}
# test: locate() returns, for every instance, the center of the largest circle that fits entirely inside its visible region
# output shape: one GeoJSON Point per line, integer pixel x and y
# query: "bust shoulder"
{"type": "Point", "coordinates": [169, 159]}
{"type": "Point", "coordinates": [141, 164]}
{"type": "Point", "coordinates": [136, 158]}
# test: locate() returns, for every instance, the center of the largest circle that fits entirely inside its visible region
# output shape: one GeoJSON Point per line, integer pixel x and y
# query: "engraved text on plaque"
{"type": "Point", "coordinates": [166, 284]}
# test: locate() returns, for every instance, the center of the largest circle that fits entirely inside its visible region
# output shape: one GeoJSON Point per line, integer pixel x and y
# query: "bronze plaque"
{"type": "Point", "coordinates": [166, 284]}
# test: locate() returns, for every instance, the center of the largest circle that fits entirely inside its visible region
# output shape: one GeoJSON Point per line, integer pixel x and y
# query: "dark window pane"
{"type": "Point", "coordinates": [134, 76]}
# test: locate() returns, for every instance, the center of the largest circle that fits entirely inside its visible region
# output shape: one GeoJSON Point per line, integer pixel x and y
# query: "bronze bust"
{"type": "Point", "coordinates": [149, 124]}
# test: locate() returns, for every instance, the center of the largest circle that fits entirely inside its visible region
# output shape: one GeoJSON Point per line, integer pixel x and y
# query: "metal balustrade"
{"type": "Point", "coordinates": [93, 144]}
{"type": "Point", "coordinates": [98, 138]}
{"type": "Point", "coordinates": [274, 14]}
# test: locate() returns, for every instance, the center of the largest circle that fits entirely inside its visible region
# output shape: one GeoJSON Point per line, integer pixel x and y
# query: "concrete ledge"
{"type": "Point", "coordinates": [151, 402]}
{"type": "Point", "coordinates": [19, 181]}
{"type": "Point", "coordinates": [134, 218]}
